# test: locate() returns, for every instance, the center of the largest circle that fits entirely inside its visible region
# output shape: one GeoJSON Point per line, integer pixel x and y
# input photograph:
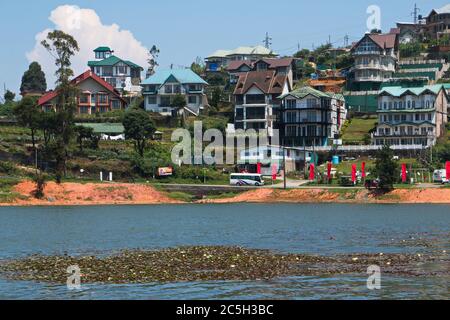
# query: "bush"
{"type": "Point", "coordinates": [40, 180]}
{"type": "Point", "coordinates": [8, 168]}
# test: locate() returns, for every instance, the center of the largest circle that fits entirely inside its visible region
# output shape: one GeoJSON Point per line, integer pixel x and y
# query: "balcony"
{"type": "Point", "coordinates": [403, 135]}
{"type": "Point", "coordinates": [364, 53]}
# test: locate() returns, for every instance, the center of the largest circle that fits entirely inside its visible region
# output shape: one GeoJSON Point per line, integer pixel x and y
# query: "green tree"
{"type": "Point", "coordinates": [178, 102]}
{"type": "Point", "coordinates": [33, 80]}
{"type": "Point", "coordinates": [217, 96]}
{"type": "Point", "coordinates": [138, 127]}
{"type": "Point", "coordinates": [27, 114]}
{"type": "Point", "coordinates": [9, 96]}
{"type": "Point", "coordinates": [198, 68]}
{"type": "Point", "coordinates": [62, 47]}
{"type": "Point", "coordinates": [386, 168]}
{"type": "Point", "coordinates": [83, 133]}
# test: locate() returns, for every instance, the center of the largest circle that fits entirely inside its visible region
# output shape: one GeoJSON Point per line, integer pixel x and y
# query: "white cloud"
{"type": "Point", "coordinates": [86, 27]}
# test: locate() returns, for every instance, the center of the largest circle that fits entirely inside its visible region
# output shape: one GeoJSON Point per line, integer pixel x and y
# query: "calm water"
{"type": "Point", "coordinates": [281, 227]}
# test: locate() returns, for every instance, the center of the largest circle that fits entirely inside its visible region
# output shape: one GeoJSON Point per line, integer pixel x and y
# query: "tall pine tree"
{"type": "Point", "coordinates": [33, 79]}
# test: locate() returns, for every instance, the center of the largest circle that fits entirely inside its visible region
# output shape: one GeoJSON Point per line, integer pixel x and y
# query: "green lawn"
{"type": "Point", "coordinates": [356, 129]}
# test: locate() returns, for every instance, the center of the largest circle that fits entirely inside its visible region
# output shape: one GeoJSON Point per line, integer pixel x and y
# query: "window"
{"type": "Point", "coordinates": [311, 103]}
{"type": "Point", "coordinates": [291, 104]}
{"type": "Point", "coordinates": [115, 104]}
{"type": "Point", "coordinates": [84, 98]}
{"type": "Point", "coordinates": [102, 99]}
{"type": "Point", "coordinates": [151, 100]}
{"type": "Point", "coordinates": [192, 99]}
{"type": "Point", "coordinates": [256, 99]}
{"type": "Point", "coordinates": [290, 117]}
{"type": "Point", "coordinates": [121, 70]}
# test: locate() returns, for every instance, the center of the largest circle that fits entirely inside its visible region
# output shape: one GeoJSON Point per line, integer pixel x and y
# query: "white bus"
{"type": "Point", "coordinates": [439, 176]}
{"type": "Point", "coordinates": [246, 179]}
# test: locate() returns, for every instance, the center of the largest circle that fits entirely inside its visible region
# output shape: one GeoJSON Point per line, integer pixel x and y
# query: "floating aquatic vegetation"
{"type": "Point", "coordinates": [206, 263]}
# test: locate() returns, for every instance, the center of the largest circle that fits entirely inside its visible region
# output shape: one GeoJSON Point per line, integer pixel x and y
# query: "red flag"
{"type": "Point", "coordinates": [403, 172]}
{"type": "Point", "coordinates": [329, 170]}
{"type": "Point", "coordinates": [311, 172]}
{"type": "Point", "coordinates": [447, 170]}
{"type": "Point", "coordinates": [363, 170]}
{"type": "Point", "coordinates": [274, 171]}
{"type": "Point", "coordinates": [353, 173]}
{"type": "Point", "coordinates": [258, 168]}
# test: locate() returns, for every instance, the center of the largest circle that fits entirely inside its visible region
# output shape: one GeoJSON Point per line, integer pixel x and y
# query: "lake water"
{"type": "Point", "coordinates": [323, 229]}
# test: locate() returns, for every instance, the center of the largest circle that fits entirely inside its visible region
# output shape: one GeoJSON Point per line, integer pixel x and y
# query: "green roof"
{"type": "Point", "coordinates": [105, 128]}
{"type": "Point", "coordinates": [111, 61]}
{"type": "Point", "coordinates": [302, 92]}
{"type": "Point", "coordinates": [103, 49]}
{"type": "Point", "coordinates": [398, 91]}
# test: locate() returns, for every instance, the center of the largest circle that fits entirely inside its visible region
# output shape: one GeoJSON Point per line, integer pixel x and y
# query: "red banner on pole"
{"type": "Point", "coordinates": [363, 170]}
{"type": "Point", "coordinates": [404, 177]}
{"type": "Point", "coordinates": [274, 171]}
{"type": "Point", "coordinates": [311, 172]}
{"type": "Point", "coordinates": [353, 173]}
{"type": "Point", "coordinates": [447, 170]}
{"type": "Point", "coordinates": [258, 168]}
{"type": "Point", "coordinates": [329, 166]}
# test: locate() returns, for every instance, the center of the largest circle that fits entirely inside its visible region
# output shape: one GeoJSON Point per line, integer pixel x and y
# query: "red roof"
{"type": "Point", "coordinates": [384, 41]}
{"type": "Point", "coordinates": [76, 81]}
{"type": "Point", "coordinates": [267, 81]}
{"type": "Point", "coordinates": [235, 65]}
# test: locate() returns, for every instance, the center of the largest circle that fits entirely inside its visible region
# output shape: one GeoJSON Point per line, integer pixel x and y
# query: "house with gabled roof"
{"type": "Point", "coordinates": [309, 117]}
{"type": "Point", "coordinates": [376, 56]}
{"type": "Point", "coordinates": [256, 99]}
{"type": "Point", "coordinates": [95, 95]}
{"type": "Point", "coordinates": [411, 115]}
{"type": "Point", "coordinates": [160, 90]}
{"type": "Point", "coordinates": [123, 75]}
{"type": "Point", "coordinates": [221, 59]}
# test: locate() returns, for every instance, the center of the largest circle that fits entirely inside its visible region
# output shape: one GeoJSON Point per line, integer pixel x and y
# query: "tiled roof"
{"type": "Point", "coordinates": [111, 61]}
{"type": "Point", "coordinates": [235, 65]}
{"type": "Point", "coordinates": [106, 128]}
{"type": "Point", "coordinates": [302, 92]}
{"type": "Point", "coordinates": [267, 81]}
{"type": "Point", "coordinates": [76, 81]}
{"type": "Point", "coordinates": [398, 91]}
{"type": "Point", "coordinates": [184, 76]}
{"type": "Point", "coordinates": [272, 62]}
{"type": "Point", "coordinates": [388, 40]}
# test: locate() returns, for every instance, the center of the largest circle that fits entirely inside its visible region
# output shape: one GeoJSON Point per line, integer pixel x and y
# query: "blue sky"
{"type": "Point", "coordinates": [184, 30]}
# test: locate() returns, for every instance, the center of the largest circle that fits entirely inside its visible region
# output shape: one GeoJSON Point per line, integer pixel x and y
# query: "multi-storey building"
{"type": "Point", "coordinates": [160, 90]}
{"type": "Point", "coordinates": [438, 22]}
{"type": "Point", "coordinates": [376, 57]}
{"type": "Point", "coordinates": [310, 117]}
{"type": "Point", "coordinates": [256, 99]}
{"type": "Point", "coordinates": [95, 95]}
{"type": "Point", "coordinates": [411, 115]}
{"type": "Point", "coordinates": [121, 74]}
{"type": "Point", "coordinates": [222, 58]}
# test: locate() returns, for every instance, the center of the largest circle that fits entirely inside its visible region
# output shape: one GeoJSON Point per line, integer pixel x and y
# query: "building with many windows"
{"type": "Point", "coordinates": [256, 99]}
{"type": "Point", "coordinates": [310, 117]}
{"type": "Point", "coordinates": [411, 115]}
{"type": "Point", "coordinates": [438, 22]}
{"type": "Point", "coordinates": [376, 56]}
{"type": "Point", "coordinates": [121, 74]}
{"type": "Point", "coordinates": [95, 96]}
{"type": "Point", "coordinates": [160, 90]}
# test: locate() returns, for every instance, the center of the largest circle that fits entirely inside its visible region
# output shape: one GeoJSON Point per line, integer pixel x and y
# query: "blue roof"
{"type": "Point", "coordinates": [182, 75]}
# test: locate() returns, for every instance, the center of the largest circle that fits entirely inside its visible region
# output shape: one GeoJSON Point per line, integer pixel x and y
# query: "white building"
{"type": "Point", "coordinates": [376, 57]}
{"type": "Point", "coordinates": [123, 75]}
{"type": "Point", "coordinates": [160, 90]}
{"type": "Point", "coordinates": [411, 115]}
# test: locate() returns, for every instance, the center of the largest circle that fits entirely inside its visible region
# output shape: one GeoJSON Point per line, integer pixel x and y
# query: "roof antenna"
{"type": "Point", "coordinates": [415, 13]}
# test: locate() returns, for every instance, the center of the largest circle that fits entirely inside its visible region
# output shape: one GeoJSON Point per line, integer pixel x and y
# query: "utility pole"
{"type": "Point", "coordinates": [415, 13]}
{"type": "Point", "coordinates": [267, 41]}
{"type": "Point", "coordinates": [346, 39]}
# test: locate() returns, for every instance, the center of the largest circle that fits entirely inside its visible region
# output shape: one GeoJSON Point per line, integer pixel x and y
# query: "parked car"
{"type": "Point", "coordinates": [439, 176]}
{"type": "Point", "coordinates": [371, 184]}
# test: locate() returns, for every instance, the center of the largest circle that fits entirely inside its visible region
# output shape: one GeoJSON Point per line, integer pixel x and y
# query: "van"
{"type": "Point", "coordinates": [439, 176]}
{"type": "Point", "coordinates": [246, 179]}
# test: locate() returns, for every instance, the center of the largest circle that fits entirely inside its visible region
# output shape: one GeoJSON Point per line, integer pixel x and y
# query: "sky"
{"type": "Point", "coordinates": [183, 30]}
